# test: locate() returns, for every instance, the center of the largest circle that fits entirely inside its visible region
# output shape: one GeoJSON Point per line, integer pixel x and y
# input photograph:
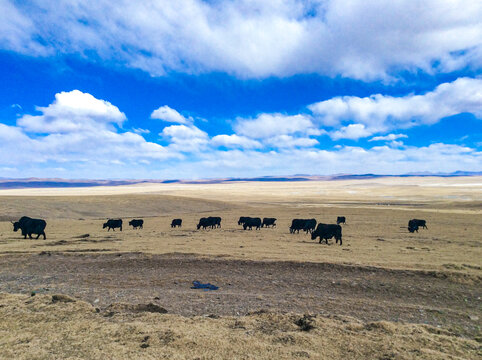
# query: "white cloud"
{"type": "Point", "coordinates": [76, 128]}
{"type": "Point", "coordinates": [185, 138]}
{"type": "Point", "coordinates": [269, 125]}
{"type": "Point", "coordinates": [168, 114]}
{"type": "Point", "coordinates": [389, 137]}
{"type": "Point", "coordinates": [345, 159]}
{"type": "Point", "coordinates": [81, 136]}
{"type": "Point", "coordinates": [235, 141]}
{"type": "Point", "coordinates": [183, 132]}
{"type": "Point", "coordinates": [358, 39]}
{"type": "Point", "coordinates": [288, 141]}
{"type": "Point", "coordinates": [352, 131]}
{"type": "Point", "coordinates": [141, 131]}
{"type": "Point", "coordinates": [73, 111]}
{"type": "Point", "coordinates": [380, 113]}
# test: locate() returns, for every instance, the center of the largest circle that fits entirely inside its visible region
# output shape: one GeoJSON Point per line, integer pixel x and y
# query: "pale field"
{"type": "Point", "coordinates": [36, 328]}
{"type": "Point", "coordinates": [377, 213]}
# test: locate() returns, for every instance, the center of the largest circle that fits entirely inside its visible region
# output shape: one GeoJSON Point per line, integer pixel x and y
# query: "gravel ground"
{"type": "Point", "coordinates": [366, 293]}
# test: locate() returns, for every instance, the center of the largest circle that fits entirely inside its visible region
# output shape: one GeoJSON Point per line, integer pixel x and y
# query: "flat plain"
{"type": "Point", "coordinates": [385, 293]}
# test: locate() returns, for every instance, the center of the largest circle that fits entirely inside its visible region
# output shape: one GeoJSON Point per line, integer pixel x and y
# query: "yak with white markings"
{"type": "Point", "coordinates": [327, 231]}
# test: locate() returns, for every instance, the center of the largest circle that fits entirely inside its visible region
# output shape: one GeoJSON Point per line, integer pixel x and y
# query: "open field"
{"type": "Point", "coordinates": [386, 292]}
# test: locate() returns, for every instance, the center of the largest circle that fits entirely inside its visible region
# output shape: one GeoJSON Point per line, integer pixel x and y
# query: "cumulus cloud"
{"type": "Point", "coordinates": [83, 135]}
{"type": "Point", "coordinates": [185, 138]}
{"type": "Point", "coordinates": [235, 141]}
{"type": "Point", "coordinates": [358, 39]}
{"type": "Point", "coordinates": [76, 128]}
{"type": "Point", "coordinates": [345, 159]}
{"type": "Point", "coordinates": [288, 141]}
{"type": "Point", "coordinates": [352, 131]}
{"type": "Point", "coordinates": [73, 111]}
{"type": "Point", "coordinates": [168, 114]}
{"type": "Point", "coordinates": [380, 113]}
{"type": "Point", "coordinates": [270, 125]}
{"type": "Point", "coordinates": [389, 137]}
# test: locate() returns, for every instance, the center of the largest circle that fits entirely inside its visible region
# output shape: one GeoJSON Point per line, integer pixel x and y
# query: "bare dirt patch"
{"type": "Point", "coordinates": [366, 293]}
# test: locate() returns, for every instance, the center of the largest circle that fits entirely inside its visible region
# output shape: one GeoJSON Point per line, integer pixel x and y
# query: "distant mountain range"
{"type": "Point", "coordinates": [6, 183]}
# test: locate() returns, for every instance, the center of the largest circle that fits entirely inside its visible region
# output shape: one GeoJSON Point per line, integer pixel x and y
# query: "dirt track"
{"type": "Point", "coordinates": [363, 292]}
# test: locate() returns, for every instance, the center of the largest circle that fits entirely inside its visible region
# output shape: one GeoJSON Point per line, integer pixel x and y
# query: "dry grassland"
{"type": "Point", "coordinates": [37, 328]}
{"type": "Point", "coordinates": [375, 235]}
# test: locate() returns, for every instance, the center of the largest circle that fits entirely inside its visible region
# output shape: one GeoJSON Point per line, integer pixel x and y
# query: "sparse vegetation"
{"type": "Point", "coordinates": [86, 293]}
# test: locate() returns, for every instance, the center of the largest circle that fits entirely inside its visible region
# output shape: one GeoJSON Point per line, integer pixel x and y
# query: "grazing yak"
{"type": "Point", "coordinates": [340, 220]}
{"type": "Point", "coordinates": [327, 231]}
{"type": "Point", "coordinates": [308, 225]}
{"type": "Point", "coordinates": [252, 222]}
{"type": "Point", "coordinates": [414, 224]}
{"type": "Point", "coordinates": [242, 219]}
{"type": "Point", "coordinates": [216, 221]}
{"type": "Point", "coordinates": [137, 223]}
{"type": "Point", "coordinates": [297, 225]}
{"type": "Point", "coordinates": [204, 223]}
{"type": "Point", "coordinates": [213, 222]}
{"type": "Point", "coordinates": [112, 224]}
{"type": "Point", "coordinates": [176, 222]}
{"type": "Point", "coordinates": [30, 226]}
{"type": "Point", "coordinates": [269, 222]}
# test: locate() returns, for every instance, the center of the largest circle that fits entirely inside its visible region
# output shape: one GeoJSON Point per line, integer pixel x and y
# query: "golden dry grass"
{"type": "Point", "coordinates": [37, 328]}
{"type": "Point", "coordinates": [375, 233]}
{"type": "Point", "coordinates": [377, 213]}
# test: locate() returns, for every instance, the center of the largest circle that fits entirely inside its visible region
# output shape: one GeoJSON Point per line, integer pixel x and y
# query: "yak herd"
{"type": "Point", "coordinates": [30, 226]}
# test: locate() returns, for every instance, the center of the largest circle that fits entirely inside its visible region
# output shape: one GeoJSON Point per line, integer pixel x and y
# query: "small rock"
{"type": "Point", "coordinates": [96, 301]}
{"type": "Point", "coordinates": [474, 317]}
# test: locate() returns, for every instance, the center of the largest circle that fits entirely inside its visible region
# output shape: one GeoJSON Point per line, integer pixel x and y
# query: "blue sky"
{"type": "Point", "coordinates": [199, 89]}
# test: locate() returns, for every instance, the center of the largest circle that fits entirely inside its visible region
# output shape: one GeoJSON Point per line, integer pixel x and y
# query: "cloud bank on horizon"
{"type": "Point", "coordinates": [391, 48]}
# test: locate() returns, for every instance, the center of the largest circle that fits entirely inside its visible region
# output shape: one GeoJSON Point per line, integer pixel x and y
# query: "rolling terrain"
{"type": "Point", "coordinates": [387, 293]}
